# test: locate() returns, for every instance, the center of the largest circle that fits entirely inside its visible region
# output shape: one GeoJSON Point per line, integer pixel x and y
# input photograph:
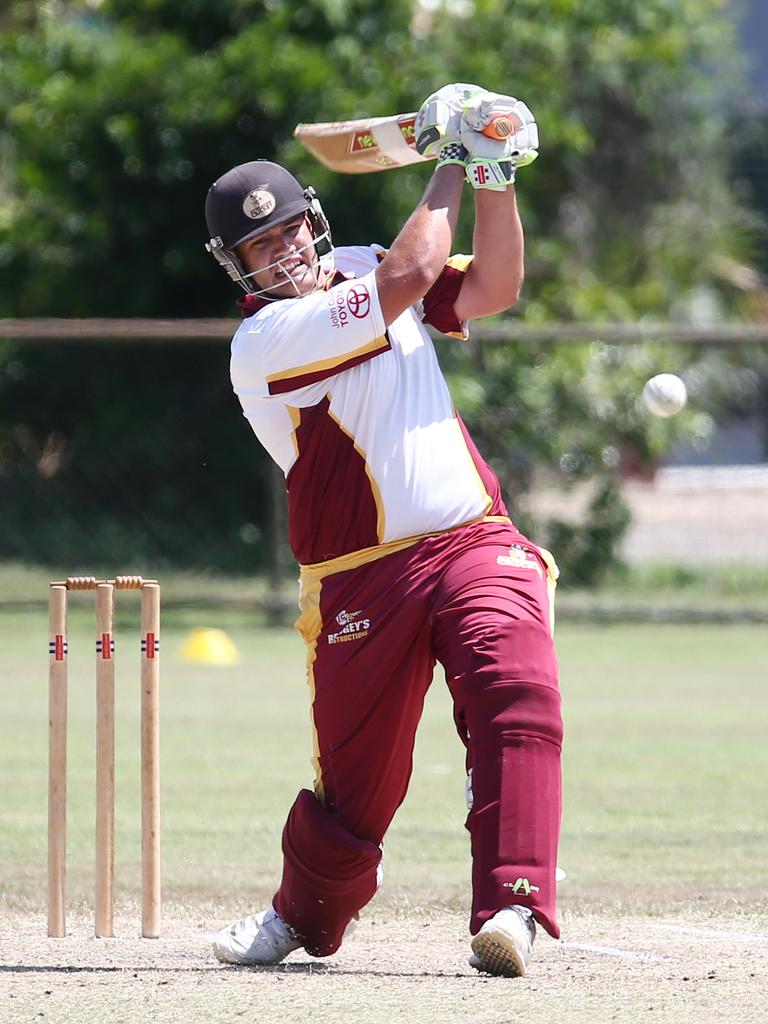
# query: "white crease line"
{"type": "Point", "coordinates": [712, 933]}
{"type": "Point", "coordinates": [625, 954]}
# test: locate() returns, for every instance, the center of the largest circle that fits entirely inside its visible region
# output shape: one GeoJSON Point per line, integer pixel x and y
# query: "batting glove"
{"type": "Point", "coordinates": [511, 116]}
{"type": "Point", "coordinates": [492, 163]}
{"type": "Point", "coordinates": [439, 118]}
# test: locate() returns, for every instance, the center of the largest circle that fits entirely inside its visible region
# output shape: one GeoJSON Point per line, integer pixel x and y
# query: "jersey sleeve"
{"type": "Point", "coordinates": [437, 306]}
{"type": "Point", "coordinates": [295, 343]}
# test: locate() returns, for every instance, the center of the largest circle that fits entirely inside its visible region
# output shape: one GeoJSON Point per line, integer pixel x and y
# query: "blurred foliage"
{"type": "Point", "coordinates": [118, 114]}
{"type": "Point", "coordinates": [573, 413]}
{"type": "Point", "coordinates": [751, 178]}
{"type": "Point", "coordinates": [120, 468]}
{"type": "Point", "coordinates": [588, 549]}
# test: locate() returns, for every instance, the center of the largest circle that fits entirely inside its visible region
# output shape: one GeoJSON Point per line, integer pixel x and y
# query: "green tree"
{"type": "Point", "coordinates": [629, 214]}
{"type": "Point", "coordinates": [118, 116]}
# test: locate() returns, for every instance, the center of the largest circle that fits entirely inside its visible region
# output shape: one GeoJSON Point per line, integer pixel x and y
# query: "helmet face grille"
{"type": "Point", "coordinates": [322, 264]}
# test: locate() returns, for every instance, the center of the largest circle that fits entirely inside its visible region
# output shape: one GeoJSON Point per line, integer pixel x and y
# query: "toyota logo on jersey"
{"type": "Point", "coordinates": [345, 302]}
{"type": "Point", "coordinates": [359, 301]}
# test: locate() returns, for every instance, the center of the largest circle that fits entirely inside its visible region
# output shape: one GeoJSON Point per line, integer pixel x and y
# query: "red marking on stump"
{"type": "Point", "coordinates": [106, 647]}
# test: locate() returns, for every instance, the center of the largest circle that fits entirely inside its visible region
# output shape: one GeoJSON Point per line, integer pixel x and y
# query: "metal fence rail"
{"type": "Point", "coordinates": [509, 330]}
{"type": "Point", "coordinates": [100, 455]}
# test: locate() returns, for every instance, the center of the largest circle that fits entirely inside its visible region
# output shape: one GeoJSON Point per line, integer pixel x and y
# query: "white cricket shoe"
{"type": "Point", "coordinates": [504, 944]}
{"type": "Point", "coordinates": [261, 939]}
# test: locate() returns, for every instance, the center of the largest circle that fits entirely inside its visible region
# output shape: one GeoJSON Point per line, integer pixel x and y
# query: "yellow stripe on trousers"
{"type": "Point", "coordinates": [309, 624]}
{"type": "Point", "coordinates": [552, 575]}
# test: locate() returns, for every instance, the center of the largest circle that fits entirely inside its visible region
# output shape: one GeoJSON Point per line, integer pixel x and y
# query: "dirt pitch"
{"type": "Point", "coordinates": [687, 967]}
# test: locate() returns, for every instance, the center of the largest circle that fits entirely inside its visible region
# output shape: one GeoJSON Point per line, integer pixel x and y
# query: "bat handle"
{"type": "Point", "coordinates": [501, 126]}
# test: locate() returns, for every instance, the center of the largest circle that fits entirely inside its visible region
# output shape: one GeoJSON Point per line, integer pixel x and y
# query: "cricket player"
{"type": "Point", "coordinates": [406, 548]}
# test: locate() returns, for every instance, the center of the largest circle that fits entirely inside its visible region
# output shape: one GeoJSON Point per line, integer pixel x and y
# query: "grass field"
{"type": "Point", "coordinates": [665, 824]}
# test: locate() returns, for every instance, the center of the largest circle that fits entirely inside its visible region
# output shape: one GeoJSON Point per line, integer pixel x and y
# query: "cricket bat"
{"type": "Point", "coordinates": [378, 143]}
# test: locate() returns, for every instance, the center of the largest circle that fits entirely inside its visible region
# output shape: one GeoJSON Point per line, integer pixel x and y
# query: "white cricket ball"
{"type": "Point", "coordinates": [665, 394]}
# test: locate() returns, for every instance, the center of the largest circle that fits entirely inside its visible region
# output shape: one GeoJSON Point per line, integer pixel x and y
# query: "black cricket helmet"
{"type": "Point", "coordinates": [248, 200]}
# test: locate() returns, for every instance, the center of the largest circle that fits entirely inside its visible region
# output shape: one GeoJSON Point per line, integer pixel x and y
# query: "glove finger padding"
{"type": "Point", "coordinates": [482, 108]}
{"type": "Point", "coordinates": [439, 118]}
{"type": "Point", "coordinates": [491, 163]}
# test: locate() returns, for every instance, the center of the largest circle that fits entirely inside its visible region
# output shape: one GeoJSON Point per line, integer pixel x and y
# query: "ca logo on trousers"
{"type": "Point", "coordinates": [522, 885]}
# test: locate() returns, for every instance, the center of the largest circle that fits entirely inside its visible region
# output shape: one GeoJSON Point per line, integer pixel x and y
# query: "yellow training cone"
{"type": "Point", "coordinates": [209, 647]}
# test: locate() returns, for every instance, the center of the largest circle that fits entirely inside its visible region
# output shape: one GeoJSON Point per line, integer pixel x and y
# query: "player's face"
{"type": "Point", "coordinates": [282, 259]}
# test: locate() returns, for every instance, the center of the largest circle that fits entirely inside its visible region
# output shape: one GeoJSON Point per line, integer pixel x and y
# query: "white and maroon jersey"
{"type": "Point", "coordinates": [357, 415]}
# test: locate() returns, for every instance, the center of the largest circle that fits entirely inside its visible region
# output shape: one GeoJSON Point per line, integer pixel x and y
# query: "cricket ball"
{"type": "Point", "coordinates": [665, 394]}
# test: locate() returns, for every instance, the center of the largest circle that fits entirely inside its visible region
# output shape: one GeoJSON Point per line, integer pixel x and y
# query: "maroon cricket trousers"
{"type": "Point", "coordinates": [477, 600]}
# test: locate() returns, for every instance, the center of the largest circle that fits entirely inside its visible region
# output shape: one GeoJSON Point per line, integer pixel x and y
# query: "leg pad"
{"type": "Point", "coordinates": [328, 875]}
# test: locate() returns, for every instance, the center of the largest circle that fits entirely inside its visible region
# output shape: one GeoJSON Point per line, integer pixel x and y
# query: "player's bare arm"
{"type": "Point", "coordinates": [451, 124]}
{"type": "Point", "coordinates": [419, 252]}
{"type": "Point", "coordinates": [495, 276]}
{"type": "Point", "coordinates": [463, 114]}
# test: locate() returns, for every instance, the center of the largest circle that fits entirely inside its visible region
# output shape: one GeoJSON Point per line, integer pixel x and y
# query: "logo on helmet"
{"type": "Point", "coordinates": [258, 203]}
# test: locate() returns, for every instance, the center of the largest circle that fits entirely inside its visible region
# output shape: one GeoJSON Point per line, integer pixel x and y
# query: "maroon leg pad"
{"type": "Point", "coordinates": [515, 735]}
{"type": "Point", "coordinates": [514, 825]}
{"type": "Point", "coordinates": [328, 875]}
{"type": "Point", "coordinates": [492, 636]}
